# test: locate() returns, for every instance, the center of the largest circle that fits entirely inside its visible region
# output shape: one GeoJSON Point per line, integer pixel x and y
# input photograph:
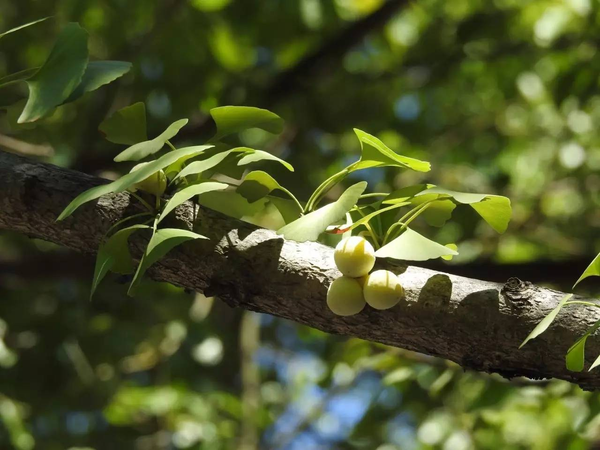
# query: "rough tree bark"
{"type": "Point", "coordinates": [477, 324]}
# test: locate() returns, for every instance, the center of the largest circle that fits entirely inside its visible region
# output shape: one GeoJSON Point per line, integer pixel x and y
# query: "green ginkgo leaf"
{"type": "Point", "coordinates": [126, 181]}
{"type": "Point", "coordinates": [593, 270]}
{"type": "Point", "coordinates": [412, 246]}
{"type": "Point", "coordinates": [546, 321]}
{"type": "Point", "coordinates": [209, 163]}
{"type": "Point", "coordinates": [187, 193]}
{"type": "Point", "coordinates": [310, 226]}
{"type": "Point", "coordinates": [142, 149]}
{"type": "Point", "coordinates": [259, 184]}
{"type": "Point", "coordinates": [17, 77]}
{"type": "Point", "coordinates": [97, 74]}
{"type": "Point", "coordinates": [127, 125]}
{"type": "Point", "coordinates": [575, 358]}
{"type": "Point", "coordinates": [60, 75]}
{"type": "Point", "coordinates": [233, 119]}
{"type": "Point", "coordinates": [162, 241]}
{"type": "Point", "coordinates": [253, 156]}
{"type": "Point", "coordinates": [20, 27]}
{"type": "Point", "coordinates": [113, 255]}
{"type": "Point", "coordinates": [375, 153]}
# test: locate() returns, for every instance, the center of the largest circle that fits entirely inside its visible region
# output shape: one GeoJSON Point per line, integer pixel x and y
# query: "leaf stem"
{"type": "Point", "coordinates": [170, 145]}
{"type": "Point", "coordinates": [367, 225]}
{"type": "Point", "coordinates": [143, 202]}
{"type": "Point", "coordinates": [580, 302]}
{"type": "Point", "coordinates": [324, 187]}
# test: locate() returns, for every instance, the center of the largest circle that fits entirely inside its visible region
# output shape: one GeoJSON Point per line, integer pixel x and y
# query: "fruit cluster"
{"type": "Point", "coordinates": [355, 257]}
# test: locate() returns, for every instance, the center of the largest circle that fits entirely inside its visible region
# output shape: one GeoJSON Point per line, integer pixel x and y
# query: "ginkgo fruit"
{"type": "Point", "coordinates": [155, 184]}
{"type": "Point", "coordinates": [382, 289]}
{"type": "Point", "coordinates": [354, 256]}
{"type": "Point", "coordinates": [345, 297]}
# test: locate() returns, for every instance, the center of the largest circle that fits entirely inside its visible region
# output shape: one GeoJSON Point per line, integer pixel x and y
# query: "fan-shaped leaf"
{"type": "Point", "coordinates": [310, 226]}
{"type": "Point", "coordinates": [59, 76]}
{"type": "Point", "coordinates": [575, 358]}
{"type": "Point", "coordinates": [375, 153]}
{"type": "Point", "coordinates": [206, 164]}
{"type": "Point", "coordinates": [143, 149]}
{"type": "Point", "coordinates": [97, 74]}
{"type": "Point", "coordinates": [189, 192]}
{"type": "Point", "coordinates": [130, 179]}
{"type": "Point", "coordinates": [233, 119]}
{"type": "Point", "coordinates": [260, 155]}
{"type": "Point", "coordinates": [113, 255]}
{"type": "Point", "coordinates": [546, 321]}
{"type": "Point", "coordinates": [126, 126]}
{"type": "Point", "coordinates": [160, 244]}
{"type": "Point", "coordinates": [593, 270]}
{"type": "Point", "coordinates": [412, 246]}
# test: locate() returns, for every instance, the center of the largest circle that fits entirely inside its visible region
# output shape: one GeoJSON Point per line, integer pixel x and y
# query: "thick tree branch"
{"type": "Point", "coordinates": [474, 323]}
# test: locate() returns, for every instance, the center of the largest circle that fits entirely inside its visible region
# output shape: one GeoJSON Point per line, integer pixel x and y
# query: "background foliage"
{"type": "Point", "coordinates": [501, 96]}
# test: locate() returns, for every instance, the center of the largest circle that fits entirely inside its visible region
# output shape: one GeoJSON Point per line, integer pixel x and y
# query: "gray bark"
{"type": "Point", "coordinates": [477, 324]}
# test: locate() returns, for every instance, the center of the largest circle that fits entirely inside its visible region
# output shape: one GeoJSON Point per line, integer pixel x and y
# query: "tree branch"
{"type": "Point", "coordinates": [474, 323]}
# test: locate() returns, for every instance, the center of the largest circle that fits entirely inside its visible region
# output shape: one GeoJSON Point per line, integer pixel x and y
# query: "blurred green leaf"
{"type": "Point", "coordinates": [575, 358]}
{"type": "Point", "coordinates": [20, 27]}
{"type": "Point", "coordinates": [143, 149]}
{"type": "Point", "coordinates": [593, 270]}
{"type": "Point", "coordinates": [451, 247]}
{"type": "Point", "coordinates": [126, 126]}
{"type": "Point", "coordinates": [130, 179]}
{"type": "Point", "coordinates": [412, 246]}
{"type": "Point", "coordinates": [18, 76]}
{"type": "Point", "coordinates": [97, 74]}
{"type": "Point", "coordinates": [113, 255]}
{"type": "Point", "coordinates": [233, 119]}
{"type": "Point", "coordinates": [160, 244]}
{"type": "Point", "coordinates": [375, 153]}
{"type": "Point", "coordinates": [546, 321]}
{"type": "Point", "coordinates": [189, 192]}
{"type": "Point", "coordinates": [60, 75]}
{"type": "Point", "coordinates": [310, 226]}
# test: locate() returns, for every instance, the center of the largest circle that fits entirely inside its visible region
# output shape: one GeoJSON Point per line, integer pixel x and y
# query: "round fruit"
{"type": "Point", "coordinates": [154, 184]}
{"type": "Point", "coordinates": [354, 256]}
{"type": "Point", "coordinates": [345, 297]}
{"type": "Point", "coordinates": [383, 290]}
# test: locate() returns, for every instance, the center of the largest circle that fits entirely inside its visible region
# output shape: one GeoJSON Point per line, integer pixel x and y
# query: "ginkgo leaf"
{"type": "Point", "coordinates": [310, 226]}
{"type": "Point", "coordinates": [546, 321]}
{"type": "Point", "coordinates": [575, 358]}
{"type": "Point", "coordinates": [142, 149]}
{"type": "Point", "coordinates": [412, 246]}
{"type": "Point", "coordinates": [233, 119]}
{"type": "Point", "coordinates": [253, 156]}
{"type": "Point", "coordinates": [20, 27]}
{"type": "Point", "coordinates": [97, 74]}
{"type": "Point", "coordinates": [374, 153]}
{"type": "Point", "coordinates": [127, 125]}
{"type": "Point", "coordinates": [187, 193]}
{"type": "Point", "coordinates": [130, 179]}
{"type": "Point", "coordinates": [113, 255]}
{"type": "Point", "coordinates": [206, 164]}
{"type": "Point", "coordinates": [160, 244]}
{"type": "Point", "coordinates": [60, 75]}
{"type": "Point", "coordinates": [593, 270]}
{"type": "Point", "coordinates": [259, 184]}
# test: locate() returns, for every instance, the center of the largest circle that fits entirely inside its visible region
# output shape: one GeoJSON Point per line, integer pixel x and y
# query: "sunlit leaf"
{"type": "Point", "coordinates": [97, 74]}
{"type": "Point", "coordinates": [209, 163]}
{"type": "Point", "coordinates": [412, 246]}
{"type": "Point", "coordinates": [288, 209]}
{"type": "Point", "coordinates": [60, 75]}
{"type": "Point", "coordinates": [546, 321]}
{"type": "Point", "coordinates": [143, 149]}
{"type": "Point", "coordinates": [438, 212]}
{"type": "Point", "coordinates": [259, 184]}
{"type": "Point", "coordinates": [126, 126]}
{"type": "Point", "coordinates": [494, 209]}
{"type": "Point", "coordinates": [310, 226]}
{"type": "Point", "coordinates": [113, 255]}
{"type": "Point", "coordinates": [233, 119]}
{"type": "Point", "coordinates": [375, 153]}
{"type": "Point", "coordinates": [160, 244]}
{"type": "Point", "coordinates": [575, 358]}
{"type": "Point", "coordinates": [130, 179]}
{"type": "Point", "coordinates": [189, 192]}
{"type": "Point", "coordinates": [451, 247]}
{"type": "Point", "coordinates": [363, 220]}
{"type": "Point", "coordinates": [593, 270]}
{"type": "Point", "coordinates": [20, 27]}
{"type": "Point", "coordinates": [260, 155]}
